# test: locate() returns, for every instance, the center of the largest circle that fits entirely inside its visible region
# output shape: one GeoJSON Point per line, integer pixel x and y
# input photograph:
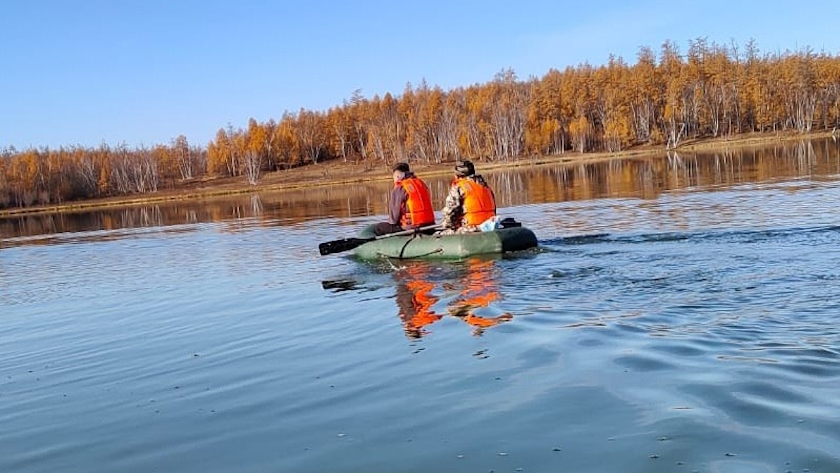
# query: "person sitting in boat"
{"type": "Point", "coordinates": [469, 203]}
{"type": "Point", "coordinates": [410, 204]}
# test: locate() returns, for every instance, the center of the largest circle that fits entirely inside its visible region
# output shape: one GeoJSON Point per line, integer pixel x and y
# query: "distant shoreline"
{"type": "Point", "coordinates": [340, 173]}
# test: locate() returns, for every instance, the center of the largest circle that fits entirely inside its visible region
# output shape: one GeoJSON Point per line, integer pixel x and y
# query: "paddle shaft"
{"type": "Point", "coordinates": [346, 244]}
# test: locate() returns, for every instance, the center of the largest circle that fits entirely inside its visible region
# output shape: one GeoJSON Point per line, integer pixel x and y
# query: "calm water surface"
{"type": "Point", "coordinates": [680, 315]}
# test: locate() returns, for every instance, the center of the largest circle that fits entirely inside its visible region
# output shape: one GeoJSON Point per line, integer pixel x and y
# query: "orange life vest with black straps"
{"type": "Point", "coordinates": [479, 203]}
{"type": "Point", "coordinates": [418, 206]}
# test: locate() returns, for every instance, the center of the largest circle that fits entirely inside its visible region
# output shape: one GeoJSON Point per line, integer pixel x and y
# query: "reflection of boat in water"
{"type": "Point", "coordinates": [458, 246]}
{"type": "Point", "coordinates": [417, 295]}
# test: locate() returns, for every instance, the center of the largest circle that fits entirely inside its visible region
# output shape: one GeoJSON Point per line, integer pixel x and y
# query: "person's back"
{"type": "Point", "coordinates": [470, 200]}
{"type": "Point", "coordinates": [410, 203]}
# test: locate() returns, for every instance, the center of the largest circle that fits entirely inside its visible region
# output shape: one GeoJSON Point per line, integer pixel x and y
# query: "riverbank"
{"type": "Point", "coordinates": [341, 173]}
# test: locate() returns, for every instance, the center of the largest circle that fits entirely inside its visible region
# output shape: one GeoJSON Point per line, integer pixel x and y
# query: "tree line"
{"type": "Point", "coordinates": [663, 99]}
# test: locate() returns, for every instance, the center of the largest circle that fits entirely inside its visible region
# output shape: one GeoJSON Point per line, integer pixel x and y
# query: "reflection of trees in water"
{"type": "Point", "coordinates": [805, 156]}
{"type": "Point", "coordinates": [142, 217]}
{"type": "Point", "coordinates": [190, 216]}
{"type": "Point", "coordinates": [475, 287]}
{"type": "Point", "coordinates": [27, 226]}
{"type": "Point", "coordinates": [256, 205]}
{"type": "Point", "coordinates": [644, 177]}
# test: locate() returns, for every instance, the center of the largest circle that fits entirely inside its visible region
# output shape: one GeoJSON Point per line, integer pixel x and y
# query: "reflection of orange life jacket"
{"type": "Point", "coordinates": [416, 300]}
{"type": "Point", "coordinates": [418, 206]}
{"type": "Point", "coordinates": [478, 288]}
{"type": "Point", "coordinates": [422, 302]}
{"type": "Point", "coordinates": [479, 204]}
{"type": "Point", "coordinates": [479, 291]}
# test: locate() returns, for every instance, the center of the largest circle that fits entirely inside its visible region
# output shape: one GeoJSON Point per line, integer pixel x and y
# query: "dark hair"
{"type": "Point", "coordinates": [401, 167]}
{"type": "Point", "coordinates": [464, 168]}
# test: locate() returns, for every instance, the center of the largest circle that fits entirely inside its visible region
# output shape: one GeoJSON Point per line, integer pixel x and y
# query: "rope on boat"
{"type": "Point", "coordinates": [402, 251]}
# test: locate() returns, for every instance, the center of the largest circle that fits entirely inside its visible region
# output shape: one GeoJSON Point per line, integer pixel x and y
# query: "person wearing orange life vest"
{"type": "Point", "coordinates": [470, 201]}
{"type": "Point", "coordinates": [410, 204]}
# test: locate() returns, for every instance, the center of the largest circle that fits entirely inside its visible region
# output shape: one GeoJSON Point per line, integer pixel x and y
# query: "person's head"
{"type": "Point", "coordinates": [400, 170]}
{"type": "Point", "coordinates": [464, 168]}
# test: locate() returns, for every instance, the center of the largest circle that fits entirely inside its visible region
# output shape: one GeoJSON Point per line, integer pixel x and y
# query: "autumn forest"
{"type": "Point", "coordinates": [663, 99]}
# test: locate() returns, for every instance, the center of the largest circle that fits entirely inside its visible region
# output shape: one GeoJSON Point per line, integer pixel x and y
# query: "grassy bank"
{"type": "Point", "coordinates": [340, 173]}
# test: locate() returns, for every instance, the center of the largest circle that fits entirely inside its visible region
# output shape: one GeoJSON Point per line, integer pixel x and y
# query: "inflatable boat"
{"type": "Point", "coordinates": [456, 246]}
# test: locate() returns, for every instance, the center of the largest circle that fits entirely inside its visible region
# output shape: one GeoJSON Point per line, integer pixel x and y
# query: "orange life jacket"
{"type": "Point", "coordinates": [479, 203]}
{"type": "Point", "coordinates": [418, 206]}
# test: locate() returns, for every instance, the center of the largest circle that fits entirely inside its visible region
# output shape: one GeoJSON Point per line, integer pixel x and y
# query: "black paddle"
{"type": "Point", "coordinates": [338, 246]}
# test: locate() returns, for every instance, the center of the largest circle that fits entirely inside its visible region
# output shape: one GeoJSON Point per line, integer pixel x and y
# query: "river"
{"type": "Point", "coordinates": [679, 315]}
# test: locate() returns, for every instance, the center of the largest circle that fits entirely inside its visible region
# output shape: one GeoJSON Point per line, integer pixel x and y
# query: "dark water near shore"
{"type": "Point", "coordinates": [680, 315]}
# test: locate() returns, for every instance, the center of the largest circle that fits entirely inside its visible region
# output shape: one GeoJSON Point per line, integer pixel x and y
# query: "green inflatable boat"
{"type": "Point", "coordinates": [423, 245]}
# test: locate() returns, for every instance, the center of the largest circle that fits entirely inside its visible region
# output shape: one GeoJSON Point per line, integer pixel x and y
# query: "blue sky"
{"type": "Point", "coordinates": [141, 72]}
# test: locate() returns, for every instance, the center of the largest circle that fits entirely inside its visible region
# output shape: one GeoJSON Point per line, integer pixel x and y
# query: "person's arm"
{"type": "Point", "coordinates": [452, 206]}
{"type": "Point", "coordinates": [495, 207]}
{"type": "Point", "coordinates": [396, 206]}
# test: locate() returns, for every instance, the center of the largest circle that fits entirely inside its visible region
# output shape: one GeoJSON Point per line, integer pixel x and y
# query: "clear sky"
{"type": "Point", "coordinates": [141, 72]}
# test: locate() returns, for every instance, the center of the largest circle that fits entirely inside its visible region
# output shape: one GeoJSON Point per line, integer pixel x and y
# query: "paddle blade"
{"type": "Point", "coordinates": [338, 246]}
